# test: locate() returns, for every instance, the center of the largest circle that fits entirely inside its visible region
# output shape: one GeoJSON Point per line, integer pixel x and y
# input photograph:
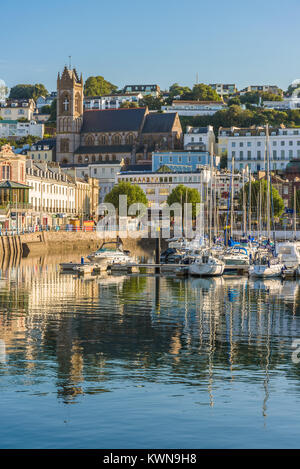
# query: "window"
{"type": "Point", "coordinates": [248, 144]}
{"type": "Point", "coordinates": [274, 155]}
{"type": "Point", "coordinates": [259, 144]}
{"type": "Point", "coordinates": [274, 143]}
{"type": "Point", "coordinates": [259, 155]}
{"type": "Point", "coordinates": [241, 144]}
{"type": "Point", "coordinates": [282, 143]}
{"type": "Point", "coordinates": [116, 140]}
{"type": "Point", "coordinates": [249, 155]}
{"type": "Point", "coordinates": [290, 143]}
{"type": "Point", "coordinates": [233, 144]}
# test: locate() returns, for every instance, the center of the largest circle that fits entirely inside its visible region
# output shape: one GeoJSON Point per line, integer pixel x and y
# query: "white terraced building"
{"type": "Point", "coordinates": [157, 186]}
{"type": "Point", "coordinates": [52, 193]}
{"type": "Point", "coordinates": [248, 147]}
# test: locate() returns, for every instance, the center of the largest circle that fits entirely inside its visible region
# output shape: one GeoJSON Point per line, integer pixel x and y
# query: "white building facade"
{"type": "Point", "coordinates": [105, 172]}
{"type": "Point", "coordinates": [195, 108]}
{"type": "Point", "coordinates": [197, 137]}
{"type": "Point", "coordinates": [158, 186]}
{"type": "Point", "coordinates": [52, 193]}
{"type": "Point", "coordinates": [14, 128]}
{"type": "Point", "coordinates": [248, 147]}
{"type": "Point", "coordinates": [111, 101]}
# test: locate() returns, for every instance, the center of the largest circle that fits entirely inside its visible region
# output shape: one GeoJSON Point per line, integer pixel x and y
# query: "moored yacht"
{"type": "Point", "coordinates": [206, 265]}
{"type": "Point", "coordinates": [266, 265]}
{"type": "Point", "coordinates": [111, 253]}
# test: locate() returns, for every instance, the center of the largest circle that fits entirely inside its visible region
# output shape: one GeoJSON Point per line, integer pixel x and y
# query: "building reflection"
{"type": "Point", "coordinates": [93, 331]}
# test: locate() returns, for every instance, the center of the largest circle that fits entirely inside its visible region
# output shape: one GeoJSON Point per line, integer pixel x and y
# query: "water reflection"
{"type": "Point", "coordinates": [94, 335]}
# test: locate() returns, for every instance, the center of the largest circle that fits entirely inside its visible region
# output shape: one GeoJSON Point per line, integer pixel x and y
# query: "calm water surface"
{"type": "Point", "coordinates": [137, 362]}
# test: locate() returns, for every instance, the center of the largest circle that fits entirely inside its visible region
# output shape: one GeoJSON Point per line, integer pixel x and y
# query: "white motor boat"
{"type": "Point", "coordinates": [110, 253]}
{"type": "Point", "coordinates": [266, 265]}
{"type": "Point", "coordinates": [289, 253]}
{"type": "Point", "coordinates": [236, 256]}
{"type": "Point", "coordinates": [206, 265]}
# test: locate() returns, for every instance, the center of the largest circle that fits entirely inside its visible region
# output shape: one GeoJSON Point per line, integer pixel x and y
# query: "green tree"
{"type": "Point", "coordinates": [129, 104]}
{"type": "Point", "coordinates": [153, 103]}
{"type": "Point", "coordinates": [177, 90]}
{"type": "Point", "coordinates": [52, 117]}
{"type": "Point", "coordinates": [133, 192]}
{"type": "Point", "coordinates": [201, 92]}
{"type": "Point", "coordinates": [256, 187]}
{"type": "Point", "coordinates": [46, 109]}
{"type": "Point", "coordinates": [182, 194]}
{"type": "Point", "coordinates": [234, 100]}
{"type": "Point", "coordinates": [98, 86]}
{"type": "Point", "coordinates": [28, 91]}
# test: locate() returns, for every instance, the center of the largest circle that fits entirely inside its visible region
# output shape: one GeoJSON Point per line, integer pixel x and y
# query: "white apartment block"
{"type": "Point", "coordinates": [224, 89]}
{"type": "Point", "coordinates": [262, 88]}
{"type": "Point", "coordinates": [105, 172]}
{"type": "Point", "coordinates": [287, 103]}
{"type": "Point", "coordinates": [111, 101]}
{"type": "Point", "coordinates": [14, 128]}
{"type": "Point", "coordinates": [158, 186]}
{"type": "Point", "coordinates": [52, 193]}
{"type": "Point", "coordinates": [196, 137]}
{"type": "Point", "coordinates": [248, 147]}
{"type": "Point", "coordinates": [194, 108]}
{"type": "Point", "coordinates": [14, 109]}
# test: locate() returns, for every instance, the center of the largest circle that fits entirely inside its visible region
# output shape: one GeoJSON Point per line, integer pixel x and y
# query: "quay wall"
{"type": "Point", "coordinates": [44, 242]}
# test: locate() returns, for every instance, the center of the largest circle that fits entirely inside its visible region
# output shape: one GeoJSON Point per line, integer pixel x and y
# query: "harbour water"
{"type": "Point", "coordinates": [146, 361]}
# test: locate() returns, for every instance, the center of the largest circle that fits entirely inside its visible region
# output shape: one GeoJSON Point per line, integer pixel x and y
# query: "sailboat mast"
{"type": "Point", "coordinates": [231, 197]}
{"type": "Point", "coordinates": [250, 201]}
{"type": "Point", "coordinates": [210, 195]}
{"type": "Point", "coordinates": [268, 182]}
{"type": "Point", "coordinates": [244, 205]}
{"type": "Point", "coordinates": [295, 217]}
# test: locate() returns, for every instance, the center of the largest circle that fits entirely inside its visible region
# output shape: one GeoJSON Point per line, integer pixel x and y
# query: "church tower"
{"type": "Point", "coordinates": [69, 114]}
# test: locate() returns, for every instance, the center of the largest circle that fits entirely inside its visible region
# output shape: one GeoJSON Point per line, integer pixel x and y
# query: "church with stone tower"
{"type": "Point", "coordinates": [90, 136]}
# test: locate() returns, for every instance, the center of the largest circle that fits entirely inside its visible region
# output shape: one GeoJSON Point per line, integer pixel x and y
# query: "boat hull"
{"type": "Point", "coordinates": [264, 271]}
{"type": "Point", "coordinates": [206, 270]}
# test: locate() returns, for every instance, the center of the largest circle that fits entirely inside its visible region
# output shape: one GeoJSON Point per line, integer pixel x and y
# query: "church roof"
{"type": "Point", "coordinates": [113, 120]}
{"type": "Point", "coordinates": [159, 123]}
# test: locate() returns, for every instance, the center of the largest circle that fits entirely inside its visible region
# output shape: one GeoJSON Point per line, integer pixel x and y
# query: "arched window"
{"type": "Point", "coordinates": [89, 140]}
{"type": "Point", "coordinates": [79, 159]}
{"type": "Point", "coordinates": [114, 157]}
{"type": "Point", "coordinates": [78, 103]}
{"type": "Point", "coordinates": [6, 172]}
{"type": "Point", "coordinates": [65, 103]}
{"type": "Point", "coordinates": [102, 140]}
{"type": "Point", "coordinates": [93, 159]}
{"type": "Point", "coordinates": [64, 145]}
{"type": "Point", "coordinates": [100, 158]}
{"type": "Point", "coordinates": [129, 139]}
{"type": "Point", "coordinates": [116, 140]}
{"type": "Point", "coordinates": [107, 158]}
{"type": "Point", "coordinates": [86, 159]}
{"type": "Point", "coordinates": [65, 161]}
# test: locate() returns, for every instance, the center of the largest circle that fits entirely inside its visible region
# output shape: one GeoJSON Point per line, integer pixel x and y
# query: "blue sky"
{"type": "Point", "coordinates": [130, 41]}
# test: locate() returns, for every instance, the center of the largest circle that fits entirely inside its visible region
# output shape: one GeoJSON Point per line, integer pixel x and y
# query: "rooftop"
{"type": "Point", "coordinates": [113, 120]}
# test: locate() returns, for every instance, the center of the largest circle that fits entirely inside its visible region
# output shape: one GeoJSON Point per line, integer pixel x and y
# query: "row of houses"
{"type": "Point", "coordinates": [35, 194]}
